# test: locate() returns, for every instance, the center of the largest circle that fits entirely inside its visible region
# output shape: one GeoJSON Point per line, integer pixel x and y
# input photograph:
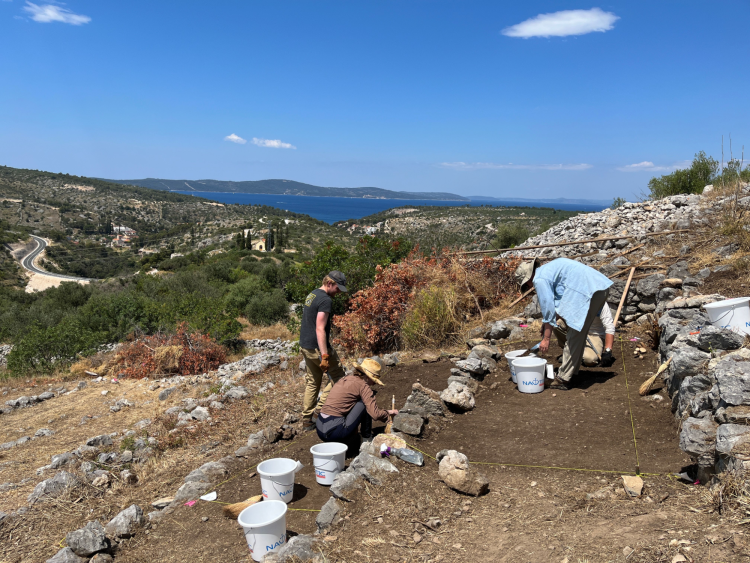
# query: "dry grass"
{"type": "Point", "coordinates": [255, 332]}
{"type": "Point", "coordinates": [730, 497]}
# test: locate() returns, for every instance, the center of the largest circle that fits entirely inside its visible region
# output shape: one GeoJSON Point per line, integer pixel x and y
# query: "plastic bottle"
{"type": "Point", "coordinates": [405, 454]}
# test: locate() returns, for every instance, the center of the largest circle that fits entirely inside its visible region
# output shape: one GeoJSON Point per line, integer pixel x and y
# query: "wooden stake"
{"type": "Point", "coordinates": [528, 292]}
{"type": "Point", "coordinates": [624, 295]}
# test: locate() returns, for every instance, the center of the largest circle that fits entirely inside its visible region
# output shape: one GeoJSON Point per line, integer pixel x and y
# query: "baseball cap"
{"type": "Point", "coordinates": [340, 280]}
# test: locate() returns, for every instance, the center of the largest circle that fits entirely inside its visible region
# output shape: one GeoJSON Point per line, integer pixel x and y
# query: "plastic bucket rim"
{"type": "Point", "coordinates": [280, 473]}
{"type": "Point", "coordinates": [533, 362]}
{"type": "Point", "coordinates": [513, 353]}
{"type": "Point", "coordinates": [258, 506]}
{"type": "Point", "coordinates": [343, 448]}
{"type": "Point", "coordinates": [734, 302]}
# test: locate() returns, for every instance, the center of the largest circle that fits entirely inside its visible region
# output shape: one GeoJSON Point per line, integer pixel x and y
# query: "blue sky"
{"type": "Point", "coordinates": [525, 99]}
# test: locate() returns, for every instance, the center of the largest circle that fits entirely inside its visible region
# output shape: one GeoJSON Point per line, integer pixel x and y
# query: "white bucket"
{"type": "Point", "coordinates": [277, 478]}
{"type": "Point", "coordinates": [264, 524]}
{"type": "Point", "coordinates": [530, 374]}
{"type": "Point", "coordinates": [733, 314]}
{"type": "Point", "coordinates": [511, 355]}
{"type": "Point", "coordinates": [328, 460]}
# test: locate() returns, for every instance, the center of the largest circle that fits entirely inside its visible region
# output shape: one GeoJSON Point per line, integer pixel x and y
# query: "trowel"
{"type": "Point", "coordinates": [529, 351]}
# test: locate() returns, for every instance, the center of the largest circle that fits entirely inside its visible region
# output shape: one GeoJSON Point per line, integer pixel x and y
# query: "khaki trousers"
{"type": "Point", "coordinates": [314, 379]}
{"type": "Point", "coordinates": [592, 353]}
{"type": "Point", "coordinates": [576, 341]}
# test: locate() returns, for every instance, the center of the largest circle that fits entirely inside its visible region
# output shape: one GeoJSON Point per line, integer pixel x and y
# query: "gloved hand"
{"type": "Point", "coordinates": [324, 362]}
{"type": "Point", "coordinates": [607, 359]}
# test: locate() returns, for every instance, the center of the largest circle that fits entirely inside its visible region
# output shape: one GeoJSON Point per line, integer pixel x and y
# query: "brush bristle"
{"type": "Point", "coordinates": [233, 510]}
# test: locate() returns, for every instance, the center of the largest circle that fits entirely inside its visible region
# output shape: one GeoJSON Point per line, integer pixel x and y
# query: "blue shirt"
{"type": "Point", "coordinates": [565, 287]}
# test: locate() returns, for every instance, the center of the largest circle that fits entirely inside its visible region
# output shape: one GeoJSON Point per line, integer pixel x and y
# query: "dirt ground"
{"type": "Point", "coordinates": [530, 513]}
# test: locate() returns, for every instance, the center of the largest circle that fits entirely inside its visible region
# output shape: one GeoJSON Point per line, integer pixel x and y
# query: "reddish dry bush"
{"type": "Point", "coordinates": [183, 353]}
{"type": "Point", "coordinates": [376, 315]}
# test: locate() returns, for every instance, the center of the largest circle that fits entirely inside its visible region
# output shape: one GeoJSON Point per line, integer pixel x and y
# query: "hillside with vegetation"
{"type": "Point", "coordinates": [282, 187]}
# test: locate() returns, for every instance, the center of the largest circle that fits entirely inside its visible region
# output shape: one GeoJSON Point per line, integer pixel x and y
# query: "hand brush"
{"type": "Point", "coordinates": [646, 387]}
{"type": "Point", "coordinates": [233, 510]}
{"type": "Point", "coordinates": [390, 418]}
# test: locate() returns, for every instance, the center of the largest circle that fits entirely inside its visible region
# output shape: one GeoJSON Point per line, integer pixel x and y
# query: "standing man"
{"type": "Point", "coordinates": [315, 342]}
{"type": "Point", "coordinates": [573, 292]}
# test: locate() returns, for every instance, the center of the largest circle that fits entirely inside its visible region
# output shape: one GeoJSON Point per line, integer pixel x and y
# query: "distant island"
{"type": "Point", "coordinates": [537, 201]}
{"type": "Point", "coordinates": [282, 187]}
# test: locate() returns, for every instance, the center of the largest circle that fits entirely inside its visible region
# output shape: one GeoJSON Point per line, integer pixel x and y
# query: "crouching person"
{"type": "Point", "coordinates": [351, 404]}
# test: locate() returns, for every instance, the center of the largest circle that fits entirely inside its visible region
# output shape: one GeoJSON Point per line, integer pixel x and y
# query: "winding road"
{"type": "Point", "coordinates": [28, 262]}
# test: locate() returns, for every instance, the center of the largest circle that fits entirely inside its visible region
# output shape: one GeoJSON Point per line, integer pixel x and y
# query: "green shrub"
{"type": "Point", "coordinates": [685, 181]}
{"type": "Point", "coordinates": [267, 308]}
{"type": "Point", "coordinates": [510, 235]}
{"type": "Point", "coordinates": [240, 294]}
{"type": "Point", "coordinates": [431, 320]}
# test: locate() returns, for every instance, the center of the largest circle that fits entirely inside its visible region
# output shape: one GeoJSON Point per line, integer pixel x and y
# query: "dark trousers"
{"type": "Point", "coordinates": [344, 428]}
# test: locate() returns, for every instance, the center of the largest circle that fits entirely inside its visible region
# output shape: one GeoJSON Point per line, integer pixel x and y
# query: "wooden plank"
{"type": "Point", "coordinates": [624, 296]}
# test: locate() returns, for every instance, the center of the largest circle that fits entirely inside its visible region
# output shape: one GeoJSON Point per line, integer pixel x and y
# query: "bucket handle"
{"type": "Point", "coordinates": [321, 467]}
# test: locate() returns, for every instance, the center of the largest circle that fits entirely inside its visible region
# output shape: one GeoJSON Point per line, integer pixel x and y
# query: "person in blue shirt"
{"type": "Point", "coordinates": [570, 291]}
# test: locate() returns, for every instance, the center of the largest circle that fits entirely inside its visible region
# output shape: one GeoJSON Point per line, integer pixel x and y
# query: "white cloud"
{"type": "Point", "coordinates": [648, 166]}
{"type": "Point", "coordinates": [48, 13]}
{"type": "Point", "coordinates": [272, 143]}
{"type": "Point", "coordinates": [235, 139]}
{"type": "Point", "coordinates": [564, 23]}
{"type": "Point", "coordinates": [511, 166]}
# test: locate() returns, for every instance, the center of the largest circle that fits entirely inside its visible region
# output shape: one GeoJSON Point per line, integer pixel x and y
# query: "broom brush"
{"type": "Point", "coordinates": [646, 386]}
{"type": "Point", "coordinates": [233, 510]}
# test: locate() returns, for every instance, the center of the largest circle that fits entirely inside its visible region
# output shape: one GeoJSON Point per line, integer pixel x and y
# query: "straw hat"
{"type": "Point", "coordinates": [371, 369]}
{"type": "Point", "coordinates": [525, 271]}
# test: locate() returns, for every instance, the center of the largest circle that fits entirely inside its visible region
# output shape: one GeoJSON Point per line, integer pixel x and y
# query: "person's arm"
{"type": "Point", "coordinates": [547, 305]}
{"type": "Point", "coordinates": [320, 331]}
{"type": "Point", "coordinates": [546, 334]}
{"type": "Point", "coordinates": [609, 341]}
{"type": "Point", "coordinates": [368, 398]}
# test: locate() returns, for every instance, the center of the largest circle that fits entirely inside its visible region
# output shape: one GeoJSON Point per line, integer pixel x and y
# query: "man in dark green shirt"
{"type": "Point", "coordinates": [315, 342]}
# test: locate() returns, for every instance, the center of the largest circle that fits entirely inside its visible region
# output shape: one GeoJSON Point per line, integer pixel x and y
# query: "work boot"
{"type": "Point", "coordinates": [308, 424]}
{"type": "Point", "coordinates": [365, 427]}
{"type": "Point", "coordinates": [560, 385]}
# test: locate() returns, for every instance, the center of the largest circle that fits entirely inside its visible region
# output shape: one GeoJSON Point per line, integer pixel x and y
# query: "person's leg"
{"type": "Point", "coordinates": [577, 340]}
{"type": "Point", "coordinates": [335, 371]}
{"type": "Point", "coordinates": [313, 378]}
{"type": "Point", "coordinates": [561, 332]}
{"type": "Point", "coordinates": [346, 433]}
{"type": "Point", "coordinates": [592, 353]}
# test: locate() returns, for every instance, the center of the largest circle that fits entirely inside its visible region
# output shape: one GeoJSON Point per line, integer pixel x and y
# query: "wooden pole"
{"type": "Point", "coordinates": [568, 243]}
{"type": "Point", "coordinates": [528, 292]}
{"type": "Point", "coordinates": [624, 296]}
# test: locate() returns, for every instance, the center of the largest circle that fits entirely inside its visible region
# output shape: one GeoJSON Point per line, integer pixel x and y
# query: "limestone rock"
{"type": "Point", "coordinates": [469, 382]}
{"type": "Point", "coordinates": [474, 342]}
{"type": "Point", "coordinates": [430, 357]}
{"type": "Point", "coordinates": [256, 440]}
{"type": "Point", "coordinates": [390, 440]}
{"type": "Point", "coordinates": [65, 555]}
{"type": "Point", "coordinates": [344, 485]}
{"type": "Point", "coordinates": [458, 396]}
{"type": "Point", "coordinates": [698, 439]}
{"type": "Point", "coordinates": [649, 286]}
{"type": "Point", "coordinates": [426, 400]}
{"type": "Point", "coordinates": [713, 338]}
{"type": "Point", "coordinates": [162, 503]}
{"type": "Point", "coordinates": [733, 415]}
{"type": "Point", "coordinates": [455, 471]}
{"type": "Point", "coordinates": [473, 367]}
{"type": "Point", "coordinates": [191, 491]}
{"type": "Point", "coordinates": [200, 413]}
{"type": "Point", "coordinates": [299, 549]}
{"type": "Point", "coordinates": [272, 434]}
{"type": "Point", "coordinates": [102, 558]}
{"type": "Point", "coordinates": [88, 540]}
{"type": "Point", "coordinates": [165, 393]}
{"type": "Point", "coordinates": [128, 477]}
{"type": "Point", "coordinates": [371, 468]}
{"type": "Point", "coordinates": [408, 424]}
{"type": "Point", "coordinates": [498, 330]}
{"type": "Point", "coordinates": [328, 515]}
{"type": "Point", "coordinates": [486, 351]}
{"type": "Point", "coordinates": [54, 487]}
{"type": "Point", "coordinates": [98, 441]}
{"type": "Point", "coordinates": [237, 393]}
{"type": "Point", "coordinates": [633, 485]}
{"type": "Point", "coordinates": [62, 459]}
{"type": "Point", "coordinates": [729, 435]}
{"type": "Point", "coordinates": [126, 523]}
{"type": "Point", "coordinates": [733, 379]}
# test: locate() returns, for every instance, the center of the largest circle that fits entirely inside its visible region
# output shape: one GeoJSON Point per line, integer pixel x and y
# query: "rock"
{"type": "Point", "coordinates": [88, 540]}
{"type": "Point", "coordinates": [191, 491]}
{"type": "Point", "coordinates": [733, 415]}
{"type": "Point", "coordinates": [678, 270]}
{"type": "Point", "coordinates": [216, 405]}
{"type": "Point", "coordinates": [486, 351]}
{"type": "Point", "coordinates": [102, 558]}
{"type": "Point", "coordinates": [328, 515]}
{"type": "Point", "coordinates": [162, 503]}
{"type": "Point", "coordinates": [107, 458]}
{"type": "Point", "coordinates": [532, 310]}
{"type": "Point", "coordinates": [237, 393]}
{"type": "Point", "coordinates": [344, 485]}
{"type": "Point", "coordinates": [469, 382]}
{"type": "Point", "coordinates": [209, 471]}
{"type": "Point", "coordinates": [126, 523]}
{"type": "Point", "coordinates": [687, 361]}
{"type": "Point", "coordinates": [255, 441]}
{"type": "Point", "coordinates": [371, 468]}
{"type": "Point", "coordinates": [689, 388]}
{"type": "Point", "coordinates": [126, 456]}
{"type": "Point", "coordinates": [98, 441]}
{"type": "Point", "coordinates": [65, 555]}
{"type": "Point", "coordinates": [488, 364]}
{"type": "Point", "coordinates": [633, 485]}
{"type": "Point", "coordinates": [600, 494]}
{"type": "Point", "coordinates": [430, 357]}
{"type": "Point", "coordinates": [299, 549]}
{"type": "Point", "coordinates": [272, 434]}
{"type": "Point", "coordinates": [458, 396]}
{"type": "Point", "coordinates": [100, 478]}
{"type": "Point", "coordinates": [672, 283]}
{"type": "Point", "coordinates": [712, 338]}
{"type": "Point", "coordinates": [427, 400]}
{"type": "Point", "coordinates": [200, 413]}
{"type": "Point", "coordinates": [729, 435]}
{"type": "Point", "coordinates": [390, 440]}
{"type": "Point", "coordinates": [456, 472]}
{"type": "Point", "coordinates": [698, 439]}
{"type": "Point", "coordinates": [391, 359]}
{"type": "Point", "coordinates": [54, 487]}
{"type": "Point", "coordinates": [128, 477]}
{"type": "Point", "coordinates": [498, 330]}
{"type": "Point", "coordinates": [649, 286]}
{"type": "Point", "coordinates": [165, 393]}
{"type": "Point", "coordinates": [288, 432]}
{"type": "Point", "coordinates": [43, 432]}
{"type": "Point", "coordinates": [62, 459]}
{"type": "Point", "coordinates": [408, 424]}
{"type": "Point", "coordinates": [733, 379]}
{"type": "Point", "coordinates": [473, 367]}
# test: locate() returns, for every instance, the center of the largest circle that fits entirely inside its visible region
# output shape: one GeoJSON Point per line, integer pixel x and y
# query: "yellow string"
{"type": "Point", "coordinates": [630, 408]}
